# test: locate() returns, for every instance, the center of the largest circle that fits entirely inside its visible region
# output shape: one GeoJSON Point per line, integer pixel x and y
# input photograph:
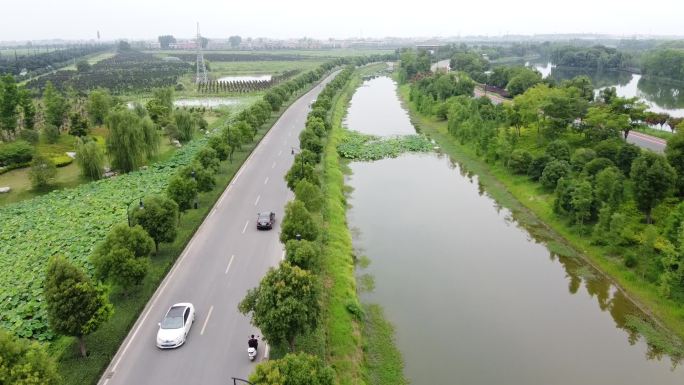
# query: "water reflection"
{"type": "Point", "coordinates": [474, 297]}
{"type": "Point", "coordinates": [661, 95]}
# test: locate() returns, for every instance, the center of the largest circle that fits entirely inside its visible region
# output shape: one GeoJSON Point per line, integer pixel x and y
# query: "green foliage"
{"type": "Point", "coordinates": [522, 80]}
{"type": "Point", "coordinates": [597, 57]}
{"type": "Point", "coordinates": [24, 363]}
{"type": "Point", "coordinates": [83, 66]}
{"type": "Point", "coordinates": [582, 200]}
{"type": "Point", "coordinates": [98, 105]}
{"type": "Point", "coordinates": [150, 137]}
{"type": "Point", "coordinates": [75, 305]}
{"type": "Point", "coordinates": [581, 157]}
{"type": "Point", "coordinates": [597, 165]}
{"type": "Point", "coordinates": [203, 177]}
{"type": "Point", "coordinates": [126, 140]}
{"type": "Point", "coordinates": [17, 152]}
{"type": "Point", "coordinates": [303, 253]}
{"type": "Point", "coordinates": [90, 159]}
{"type": "Point", "coordinates": [208, 159]}
{"type": "Point", "coordinates": [56, 106]}
{"type": "Point", "coordinates": [411, 64]}
{"type": "Point", "coordinates": [558, 150]}
{"type": "Point", "coordinates": [609, 187]}
{"type": "Point", "coordinates": [51, 133]}
{"type": "Point", "coordinates": [159, 218]}
{"type": "Point", "coordinates": [220, 145]}
{"type": "Point", "coordinates": [471, 63]}
{"type": "Point", "coordinates": [297, 220]}
{"type": "Point", "coordinates": [185, 125]}
{"type": "Point", "coordinates": [78, 125]}
{"type": "Point", "coordinates": [284, 305]}
{"type": "Point", "coordinates": [300, 171]}
{"type": "Point", "coordinates": [123, 257]}
{"type": "Point", "coordinates": [30, 136]}
{"type": "Point", "coordinates": [667, 63]}
{"type": "Point", "coordinates": [43, 171]}
{"type": "Point", "coordinates": [653, 180]}
{"type": "Point", "coordinates": [553, 171]}
{"type": "Point", "coordinates": [10, 100]}
{"type": "Point", "coordinates": [310, 194]}
{"type": "Point", "coordinates": [293, 369]}
{"type": "Point", "coordinates": [183, 191]}
{"type": "Point", "coordinates": [519, 161]}
{"type": "Point", "coordinates": [358, 146]}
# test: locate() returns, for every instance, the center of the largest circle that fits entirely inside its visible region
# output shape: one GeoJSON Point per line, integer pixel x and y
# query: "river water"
{"type": "Point", "coordinates": [474, 298]}
{"type": "Point", "coordinates": [661, 95]}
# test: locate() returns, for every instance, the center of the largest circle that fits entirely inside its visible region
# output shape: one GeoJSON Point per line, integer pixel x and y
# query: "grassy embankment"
{"type": "Point", "coordinates": [360, 344]}
{"type": "Point", "coordinates": [533, 208]}
{"type": "Point", "coordinates": [104, 343]}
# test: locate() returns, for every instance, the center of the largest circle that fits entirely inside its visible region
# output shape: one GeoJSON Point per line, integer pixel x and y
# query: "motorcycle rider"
{"type": "Point", "coordinates": [253, 342]}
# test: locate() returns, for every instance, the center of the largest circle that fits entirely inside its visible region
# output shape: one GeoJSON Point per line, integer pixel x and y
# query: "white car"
{"type": "Point", "coordinates": [175, 326]}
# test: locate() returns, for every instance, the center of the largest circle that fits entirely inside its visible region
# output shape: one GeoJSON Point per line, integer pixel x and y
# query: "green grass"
{"type": "Point", "coordinates": [657, 133]}
{"type": "Point", "coordinates": [342, 317]}
{"type": "Point", "coordinates": [103, 344]}
{"type": "Point", "coordinates": [532, 208]}
{"type": "Point", "coordinates": [383, 360]}
{"type": "Point", "coordinates": [235, 68]}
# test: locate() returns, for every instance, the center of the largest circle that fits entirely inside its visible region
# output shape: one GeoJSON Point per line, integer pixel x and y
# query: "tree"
{"type": "Point", "coordinates": [674, 151]}
{"type": "Point", "coordinates": [302, 253]}
{"type": "Point", "coordinates": [42, 171]}
{"type": "Point", "coordinates": [98, 105]}
{"type": "Point", "coordinates": [83, 66]}
{"type": "Point", "coordinates": [166, 40]}
{"type": "Point", "coordinates": [310, 194]}
{"type": "Point", "coordinates": [150, 137]}
{"type": "Point", "coordinates": [208, 159]}
{"type": "Point", "coordinates": [160, 106]}
{"type": "Point", "coordinates": [284, 305]}
{"type": "Point", "coordinates": [297, 220]}
{"type": "Point", "coordinates": [625, 156]}
{"type": "Point", "coordinates": [203, 176]}
{"type": "Point", "coordinates": [553, 171]}
{"type": "Point", "coordinates": [582, 200]}
{"type": "Point", "coordinates": [78, 124]}
{"type": "Point", "coordinates": [653, 180]}
{"type": "Point", "coordinates": [123, 257]}
{"type": "Point", "coordinates": [235, 41]}
{"type": "Point", "coordinates": [293, 369]}
{"type": "Point", "coordinates": [89, 158]}
{"type": "Point", "coordinates": [218, 143]}
{"type": "Point", "coordinates": [183, 191]}
{"type": "Point", "coordinates": [28, 109]}
{"type": "Point", "coordinates": [609, 187]}
{"type": "Point", "coordinates": [126, 142]}
{"type": "Point", "coordinates": [300, 171]}
{"type": "Point", "coordinates": [25, 363]}
{"type": "Point", "coordinates": [75, 305]}
{"type": "Point", "coordinates": [159, 217]}
{"type": "Point", "coordinates": [602, 123]}
{"type": "Point", "coordinates": [185, 124]}
{"type": "Point", "coordinates": [10, 99]}
{"type": "Point", "coordinates": [56, 106]}
{"type": "Point", "coordinates": [524, 79]}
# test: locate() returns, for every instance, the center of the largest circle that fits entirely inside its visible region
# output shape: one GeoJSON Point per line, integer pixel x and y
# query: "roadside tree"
{"type": "Point", "coordinates": [159, 218]}
{"type": "Point", "coordinates": [293, 369]}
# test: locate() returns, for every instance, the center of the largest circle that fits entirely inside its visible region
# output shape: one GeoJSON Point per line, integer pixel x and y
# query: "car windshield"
{"type": "Point", "coordinates": [264, 217]}
{"type": "Point", "coordinates": [172, 323]}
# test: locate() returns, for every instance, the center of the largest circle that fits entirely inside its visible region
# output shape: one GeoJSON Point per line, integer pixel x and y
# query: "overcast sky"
{"type": "Point", "coordinates": [146, 19]}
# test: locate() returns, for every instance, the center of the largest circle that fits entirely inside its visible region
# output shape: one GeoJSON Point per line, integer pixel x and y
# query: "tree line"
{"type": "Point", "coordinates": [629, 201]}
{"type": "Point", "coordinates": [39, 63]}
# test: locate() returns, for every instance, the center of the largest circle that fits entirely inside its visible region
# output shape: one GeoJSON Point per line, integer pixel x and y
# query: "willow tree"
{"type": "Point", "coordinates": [126, 141]}
{"type": "Point", "coordinates": [89, 158]}
{"type": "Point", "coordinates": [185, 124]}
{"type": "Point", "coordinates": [150, 136]}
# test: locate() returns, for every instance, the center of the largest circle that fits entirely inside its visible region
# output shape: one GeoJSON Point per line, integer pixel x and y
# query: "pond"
{"type": "Point", "coordinates": [474, 298]}
{"type": "Point", "coordinates": [661, 95]}
{"type": "Point", "coordinates": [246, 78]}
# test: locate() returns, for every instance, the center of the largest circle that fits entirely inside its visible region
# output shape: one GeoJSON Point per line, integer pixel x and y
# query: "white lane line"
{"type": "Point", "coordinates": [245, 228]}
{"type": "Point", "coordinates": [206, 321]}
{"type": "Point", "coordinates": [280, 152]}
{"type": "Point", "coordinates": [266, 181]}
{"type": "Point", "coordinates": [273, 166]}
{"type": "Point", "coordinates": [257, 200]}
{"type": "Point", "coordinates": [229, 263]}
{"type": "Point", "coordinates": [266, 352]}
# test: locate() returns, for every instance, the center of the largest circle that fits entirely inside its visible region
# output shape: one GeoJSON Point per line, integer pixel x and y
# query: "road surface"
{"type": "Point", "coordinates": [647, 141]}
{"type": "Point", "coordinates": [226, 257]}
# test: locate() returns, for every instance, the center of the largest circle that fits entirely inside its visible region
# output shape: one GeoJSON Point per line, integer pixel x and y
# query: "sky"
{"type": "Point", "coordinates": [147, 19]}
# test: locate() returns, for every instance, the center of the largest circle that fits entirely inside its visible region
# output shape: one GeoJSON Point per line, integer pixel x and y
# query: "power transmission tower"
{"type": "Point", "coordinates": [201, 68]}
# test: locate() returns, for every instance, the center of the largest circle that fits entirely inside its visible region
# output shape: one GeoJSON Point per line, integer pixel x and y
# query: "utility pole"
{"type": "Point", "coordinates": [201, 68]}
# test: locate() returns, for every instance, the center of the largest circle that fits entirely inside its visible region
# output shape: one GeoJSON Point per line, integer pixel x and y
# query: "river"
{"type": "Point", "coordinates": [661, 95]}
{"type": "Point", "coordinates": [474, 298]}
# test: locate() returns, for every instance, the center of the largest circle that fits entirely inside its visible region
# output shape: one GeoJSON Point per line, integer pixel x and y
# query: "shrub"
{"type": "Point", "coordinates": [537, 166]}
{"type": "Point", "coordinates": [90, 159]}
{"type": "Point", "coordinates": [608, 148]}
{"type": "Point", "coordinates": [580, 157]}
{"type": "Point", "coordinates": [553, 171]}
{"type": "Point", "coordinates": [30, 136]}
{"type": "Point", "coordinates": [51, 133]}
{"type": "Point", "coordinates": [595, 166]}
{"type": "Point", "coordinates": [18, 152]}
{"type": "Point", "coordinates": [559, 150]}
{"type": "Point", "coordinates": [520, 161]}
{"type": "Point", "coordinates": [42, 172]}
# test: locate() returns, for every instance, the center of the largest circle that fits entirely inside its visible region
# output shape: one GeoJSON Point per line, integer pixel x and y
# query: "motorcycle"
{"type": "Point", "coordinates": [252, 349]}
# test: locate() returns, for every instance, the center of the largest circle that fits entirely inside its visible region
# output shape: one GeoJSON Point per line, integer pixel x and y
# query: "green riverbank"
{"type": "Point", "coordinates": [534, 212]}
{"type": "Point", "coordinates": [360, 341]}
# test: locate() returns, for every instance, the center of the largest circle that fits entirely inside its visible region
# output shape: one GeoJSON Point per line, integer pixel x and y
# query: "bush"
{"type": "Point", "coordinates": [62, 160]}
{"type": "Point", "coordinates": [520, 161]}
{"type": "Point", "coordinates": [553, 171]}
{"type": "Point", "coordinates": [597, 165]}
{"type": "Point", "coordinates": [51, 133]}
{"type": "Point", "coordinates": [537, 166]}
{"type": "Point", "coordinates": [580, 157]}
{"type": "Point", "coordinates": [559, 150]}
{"type": "Point", "coordinates": [608, 148]}
{"type": "Point", "coordinates": [30, 136]}
{"type": "Point", "coordinates": [19, 152]}
{"type": "Point", "coordinates": [42, 172]}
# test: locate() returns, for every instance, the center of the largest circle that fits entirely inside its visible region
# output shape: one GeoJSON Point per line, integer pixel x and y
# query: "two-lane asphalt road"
{"type": "Point", "coordinates": [647, 141]}
{"type": "Point", "coordinates": [226, 257]}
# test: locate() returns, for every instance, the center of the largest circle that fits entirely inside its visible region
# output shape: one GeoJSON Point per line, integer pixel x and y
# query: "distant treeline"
{"type": "Point", "coordinates": [597, 57]}
{"type": "Point", "coordinates": [667, 62]}
{"type": "Point", "coordinates": [126, 71]}
{"type": "Point", "coordinates": [44, 62]}
{"type": "Point", "coordinates": [190, 57]}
